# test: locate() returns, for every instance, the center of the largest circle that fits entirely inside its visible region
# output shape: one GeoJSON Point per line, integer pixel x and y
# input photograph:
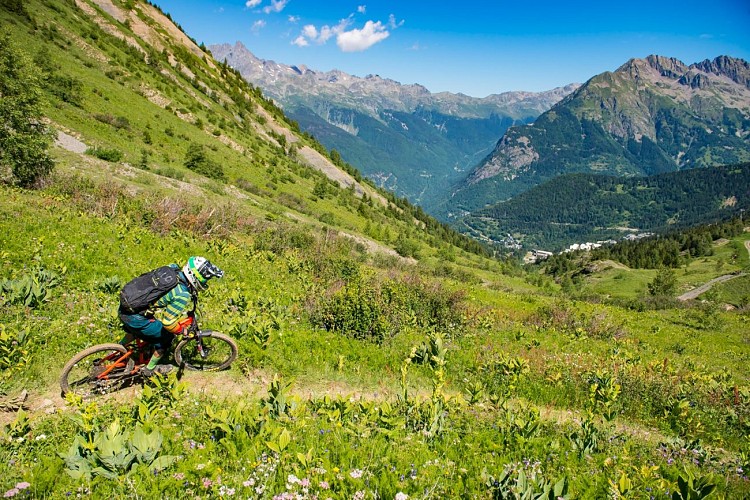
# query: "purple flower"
{"type": "Point", "coordinates": [11, 492]}
{"type": "Point", "coordinates": [23, 485]}
{"type": "Point", "coordinates": [356, 473]}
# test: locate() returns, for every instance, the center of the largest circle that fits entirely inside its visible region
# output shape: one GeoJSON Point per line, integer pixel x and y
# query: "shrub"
{"type": "Point", "coordinates": [111, 155]}
{"type": "Point", "coordinates": [197, 161]}
{"type": "Point", "coordinates": [117, 122]}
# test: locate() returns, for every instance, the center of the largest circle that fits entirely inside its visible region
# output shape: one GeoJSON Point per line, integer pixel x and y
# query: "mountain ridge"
{"type": "Point", "coordinates": [651, 115]}
{"type": "Point", "coordinates": [406, 139]}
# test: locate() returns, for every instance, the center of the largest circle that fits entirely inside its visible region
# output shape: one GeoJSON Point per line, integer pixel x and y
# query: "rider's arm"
{"type": "Point", "coordinates": [172, 308]}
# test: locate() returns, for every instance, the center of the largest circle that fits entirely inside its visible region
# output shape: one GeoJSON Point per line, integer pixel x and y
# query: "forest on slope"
{"type": "Point", "coordinates": [577, 208]}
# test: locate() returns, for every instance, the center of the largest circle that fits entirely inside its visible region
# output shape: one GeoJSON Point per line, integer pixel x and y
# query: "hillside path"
{"type": "Point", "coordinates": [695, 292]}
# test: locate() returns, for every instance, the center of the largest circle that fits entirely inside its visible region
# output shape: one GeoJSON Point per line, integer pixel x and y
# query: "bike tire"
{"type": "Point", "coordinates": [222, 351]}
{"type": "Point", "coordinates": [79, 375]}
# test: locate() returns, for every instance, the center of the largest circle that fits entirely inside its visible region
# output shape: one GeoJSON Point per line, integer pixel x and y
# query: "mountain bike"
{"type": "Point", "coordinates": [104, 368]}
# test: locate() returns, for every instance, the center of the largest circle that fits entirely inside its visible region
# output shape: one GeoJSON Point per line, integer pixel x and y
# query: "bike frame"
{"type": "Point", "coordinates": [138, 350]}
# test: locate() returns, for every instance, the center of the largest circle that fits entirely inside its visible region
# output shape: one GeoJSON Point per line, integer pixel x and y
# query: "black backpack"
{"type": "Point", "coordinates": [141, 292]}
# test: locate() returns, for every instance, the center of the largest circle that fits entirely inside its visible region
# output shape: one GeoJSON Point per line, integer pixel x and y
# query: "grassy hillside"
{"type": "Point", "coordinates": [378, 357]}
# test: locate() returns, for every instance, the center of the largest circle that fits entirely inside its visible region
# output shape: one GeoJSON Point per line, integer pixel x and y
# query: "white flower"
{"type": "Point", "coordinates": [401, 496]}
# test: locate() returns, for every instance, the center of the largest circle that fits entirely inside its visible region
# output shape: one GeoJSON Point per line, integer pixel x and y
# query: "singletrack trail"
{"type": "Point", "coordinates": [229, 386]}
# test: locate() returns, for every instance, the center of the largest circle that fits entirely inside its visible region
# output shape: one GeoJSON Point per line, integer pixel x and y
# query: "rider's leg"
{"type": "Point", "coordinates": [150, 330]}
{"type": "Point", "coordinates": [161, 345]}
{"type": "Point", "coordinates": [155, 358]}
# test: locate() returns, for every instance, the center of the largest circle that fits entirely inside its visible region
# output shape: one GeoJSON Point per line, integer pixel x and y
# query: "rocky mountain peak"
{"type": "Point", "coordinates": [668, 67]}
{"type": "Point", "coordinates": [737, 70]}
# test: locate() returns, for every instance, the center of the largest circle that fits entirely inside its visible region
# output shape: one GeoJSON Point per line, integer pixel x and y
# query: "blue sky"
{"type": "Point", "coordinates": [474, 47]}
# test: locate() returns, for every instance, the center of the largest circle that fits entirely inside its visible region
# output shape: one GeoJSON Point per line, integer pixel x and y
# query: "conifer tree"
{"type": "Point", "coordinates": [24, 138]}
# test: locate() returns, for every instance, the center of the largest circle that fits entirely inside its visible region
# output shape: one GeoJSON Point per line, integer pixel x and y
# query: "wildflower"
{"type": "Point", "coordinates": [23, 485]}
{"type": "Point", "coordinates": [178, 476]}
{"type": "Point", "coordinates": [226, 491]}
{"type": "Point", "coordinates": [324, 485]}
{"type": "Point", "coordinates": [292, 479]}
{"type": "Point", "coordinates": [356, 473]}
{"type": "Point", "coordinates": [401, 496]}
{"type": "Point", "coordinates": [305, 483]}
{"type": "Point", "coordinates": [248, 483]}
{"type": "Point", "coordinates": [200, 466]}
{"type": "Point", "coordinates": [207, 482]}
{"type": "Point", "coordinates": [11, 492]}
{"type": "Point", "coordinates": [359, 495]}
{"type": "Point", "coordinates": [40, 437]}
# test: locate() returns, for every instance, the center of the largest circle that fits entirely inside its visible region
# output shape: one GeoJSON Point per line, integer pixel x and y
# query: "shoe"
{"type": "Point", "coordinates": [159, 369]}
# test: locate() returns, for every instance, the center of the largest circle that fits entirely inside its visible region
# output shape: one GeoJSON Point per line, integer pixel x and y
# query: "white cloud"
{"type": "Point", "coordinates": [358, 40]}
{"type": "Point", "coordinates": [355, 40]}
{"type": "Point", "coordinates": [252, 3]}
{"type": "Point", "coordinates": [300, 41]}
{"type": "Point", "coordinates": [362, 9]}
{"type": "Point", "coordinates": [293, 19]}
{"type": "Point", "coordinates": [258, 25]}
{"type": "Point", "coordinates": [276, 6]}
{"type": "Point", "coordinates": [310, 33]}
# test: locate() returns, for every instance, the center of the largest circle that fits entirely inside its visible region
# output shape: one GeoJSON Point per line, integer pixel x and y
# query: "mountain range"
{"type": "Point", "coordinates": [650, 116]}
{"type": "Point", "coordinates": [407, 139]}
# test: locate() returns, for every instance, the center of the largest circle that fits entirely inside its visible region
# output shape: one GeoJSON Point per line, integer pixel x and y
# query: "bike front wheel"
{"type": "Point", "coordinates": [212, 351]}
{"type": "Point", "coordinates": [97, 370]}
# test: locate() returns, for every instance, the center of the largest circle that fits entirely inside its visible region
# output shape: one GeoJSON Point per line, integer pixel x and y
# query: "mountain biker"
{"type": "Point", "coordinates": [170, 314]}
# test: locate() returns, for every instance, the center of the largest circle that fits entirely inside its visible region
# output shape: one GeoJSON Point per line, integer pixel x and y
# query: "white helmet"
{"type": "Point", "coordinates": [198, 271]}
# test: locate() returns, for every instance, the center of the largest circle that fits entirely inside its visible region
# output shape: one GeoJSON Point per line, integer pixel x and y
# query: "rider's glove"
{"type": "Point", "coordinates": [184, 324]}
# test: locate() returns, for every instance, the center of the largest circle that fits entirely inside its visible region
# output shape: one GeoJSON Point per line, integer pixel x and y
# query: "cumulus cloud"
{"type": "Point", "coordinates": [276, 6]}
{"type": "Point", "coordinates": [293, 19]}
{"type": "Point", "coordinates": [357, 40]}
{"type": "Point", "coordinates": [310, 33]}
{"type": "Point", "coordinates": [250, 4]}
{"type": "Point", "coordinates": [362, 9]}
{"type": "Point", "coordinates": [300, 41]}
{"type": "Point", "coordinates": [354, 40]}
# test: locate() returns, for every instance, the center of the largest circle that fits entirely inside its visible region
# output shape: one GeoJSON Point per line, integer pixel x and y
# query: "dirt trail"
{"type": "Point", "coordinates": [695, 292]}
{"type": "Point", "coordinates": [228, 386]}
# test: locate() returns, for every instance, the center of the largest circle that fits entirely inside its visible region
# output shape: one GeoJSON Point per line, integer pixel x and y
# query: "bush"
{"type": "Point", "coordinates": [371, 310]}
{"type": "Point", "coordinates": [111, 155]}
{"type": "Point", "coordinates": [117, 122]}
{"type": "Point", "coordinates": [197, 161]}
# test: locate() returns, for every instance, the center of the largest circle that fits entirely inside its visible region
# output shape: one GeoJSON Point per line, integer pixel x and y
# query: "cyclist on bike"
{"type": "Point", "coordinates": [170, 315]}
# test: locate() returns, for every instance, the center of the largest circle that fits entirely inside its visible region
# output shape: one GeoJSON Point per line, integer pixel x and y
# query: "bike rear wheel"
{"type": "Point", "coordinates": [97, 370]}
{"type": "Point", "coordinates": [211, 352]}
